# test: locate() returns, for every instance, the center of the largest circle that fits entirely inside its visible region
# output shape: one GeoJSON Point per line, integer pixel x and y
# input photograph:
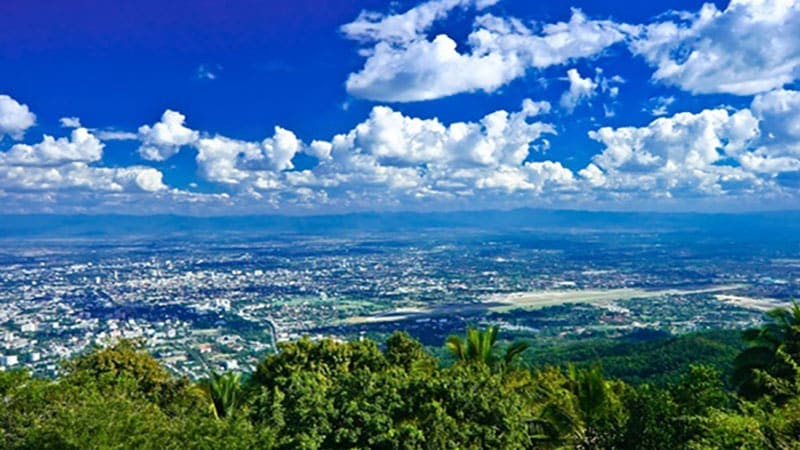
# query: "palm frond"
{"type": "Point", "coordinates": [514, 350]}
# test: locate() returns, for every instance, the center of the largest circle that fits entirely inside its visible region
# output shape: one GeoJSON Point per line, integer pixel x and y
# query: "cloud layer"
{"type": "Point", "coordinates": [404, 65]}
{"type": "Point", "coordinates": [679, 151]}
{"type": "Point", "coordinates": [750, 47]}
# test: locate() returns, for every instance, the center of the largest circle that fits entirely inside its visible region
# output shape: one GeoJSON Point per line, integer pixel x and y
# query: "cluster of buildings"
{"type": "Point", "coordinates": [221, 306]}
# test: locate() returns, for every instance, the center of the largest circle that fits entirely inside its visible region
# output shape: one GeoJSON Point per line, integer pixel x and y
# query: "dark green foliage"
{"type": "Point", "coordinates": [478, 347]}
{"type": "Point", "coordinates": [225, 392]}
{"type": "Point", "coordinates": [658, 362]}
{"type": "Point", "coordinates": [699, 391]}
{"type": "Point", "coordinates": [329, 395]}
{"type": "Point", "coordinates": [598, 407]}
{"type": "Point", "coordinates": [780, 334]}
{"type": "Point", "coordinates": [652, 420]}
{"type": "Point", "coordinates": [84, 410]}
{"type": "Point", "coordinates": [354, 395]}
{"type": "Point", "coordinates": [404, 351]}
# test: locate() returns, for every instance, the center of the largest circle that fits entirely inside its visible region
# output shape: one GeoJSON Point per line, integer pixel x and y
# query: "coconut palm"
{"type": "Point", "coordinates": [597, 406]}
{"type": "Point", "coordinates": [478, 347]}
{"type": "Point", "coordinates": [770, 345]}
{"type": "Point", "coordinates": [225, 393]}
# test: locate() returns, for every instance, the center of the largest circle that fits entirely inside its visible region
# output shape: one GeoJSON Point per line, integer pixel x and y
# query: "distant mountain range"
{"type": "Point", "coordinates": [750, 226]}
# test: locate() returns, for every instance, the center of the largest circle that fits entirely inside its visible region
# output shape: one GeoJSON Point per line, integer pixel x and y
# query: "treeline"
{"type": "Point", "coordinates": [329, 395]}
{"type": "Point", "coordinates": [656, 359]}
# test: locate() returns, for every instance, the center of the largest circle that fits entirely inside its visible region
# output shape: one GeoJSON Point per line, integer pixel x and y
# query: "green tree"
{"type": "Point", "coordinates": [651, 423]}
{"type": "Point", "coordinates": [404, 351]}
{"type": "Point", "coordinates": [478, 346]}
{"type": "Point", "coordinates": [699, 391]}
{"type": "Point", "coordinates": [780, 333]}
{"type": "Point", "coordinates": [599, 408]}
{"type": "Point", "coordinates": [225, 393]}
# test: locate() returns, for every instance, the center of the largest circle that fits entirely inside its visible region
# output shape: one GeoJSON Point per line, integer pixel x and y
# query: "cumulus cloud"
{"type": "Point", "coordinates": [230, 161]}
{"type": "Point", "coordinates": [404, 65]}
{"type": "Point", "coordinates": [745, 49]}
{"type": "Point", "coordinates": [249, 165]}
{"type": "Point", "coordinates": [779, 147]}
{"type": "Point", "coordinates": [395, 139]}
{"type": "Point", "coordinates": [15, 118]}
{"type": "Point", "coordinates": [163, 139]}
{"type": "Point", "coordinates": [81, 146]}
{"type": "Point", "coordinates": [688, 154]}
{"type": "Point", "coordinates": [81, 176]}
{"type": "Point", "coordinates": [389, 153]}
{"type": "Point", "coordinates": [427, 158]}
{"type": "Point", "coordinates": [748, 48]}
{"type": "Point", "coordinates": [391, 159]}
{"type": "Point", "coordinates": [779, 111]}
{"type": "Point", "coordinates": [56, 165]}
{"type": "Point", "coordinates": [63, 163]}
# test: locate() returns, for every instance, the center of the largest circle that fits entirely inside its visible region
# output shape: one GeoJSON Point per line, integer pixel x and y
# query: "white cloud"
{"type": "Point", "coordinates": [166, 137]}
{"type": "Point", "coordinates": [15, 118]}
{"type": "Point", "coordinates": [279, 150]}
{"type": "Point", "coordinates": [423, 158]}
{"type": "Point", "coordinates": [57, 164]}
{"type": "Point", "coordinates": [115, 135]}
{"type": "Point", "coordinates": [218, 158]}
{"type": "Point", "coordinates": [393, 159]}
{"type": "Point", "coordinates": [779, 147]}
{"type": "Point", "coordinates": [250, 166]}
{"type": "Point", "coordinates": [254, 165]}
{"type": "Point", "coordinates": [82, 177]}
{"type": "Point", "coordinates": [748, 48]}
{"type": "Point", "coordinates": [70, 122]}
{"type": "Point", "coordinates": [709, 153]}
{"type": "Point", "coordinates": [404, 65]}
{"type": "Point", "coordinates": [426, 70]}
{"type": "Point", "coordinates": [580, 89]}
{"type": "Point", "coordinates": [407, 26]}
{"type": "Point", "coordinates": [388, 149]}
{"type": "Point", "coordinates": [145, 178]}
{"type": "Point", "coordinates": [556, 43]}
{"type": "Point", "coordinates": [661, 105]}
{"type": "Point", "coordinates": [320, 149]}
{"type": "Point", "coordinates": [779, 111]}
{"type": "Point", "coordinates": [394, 139]}
{"type": "Point", "coordinates": [81, 146]}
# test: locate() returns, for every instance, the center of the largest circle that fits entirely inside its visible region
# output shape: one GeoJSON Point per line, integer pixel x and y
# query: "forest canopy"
{"type": "Point", "coordinates": [396, 395]}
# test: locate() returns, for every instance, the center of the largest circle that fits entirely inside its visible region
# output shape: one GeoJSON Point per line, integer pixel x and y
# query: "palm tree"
{"type": "Point", "coordinates": [770, 345]}
{"type": "Point", "coordinates": [478, 347]}
{"type": "Point", "coordinates": [596, 403]}
{"type": "Point", "coordinates": [225, 393]}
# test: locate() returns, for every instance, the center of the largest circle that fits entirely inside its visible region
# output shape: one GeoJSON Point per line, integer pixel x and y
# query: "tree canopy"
{"type": "Point", "coordinates": [355, 395]}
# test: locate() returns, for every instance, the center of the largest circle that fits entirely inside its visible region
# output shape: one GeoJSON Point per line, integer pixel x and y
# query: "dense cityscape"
{"type": "Point", "coordinates": [222, 304]}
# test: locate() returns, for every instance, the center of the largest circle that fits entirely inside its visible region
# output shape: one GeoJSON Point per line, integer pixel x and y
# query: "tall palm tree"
{"type": "Point", "coordinates": [478, 347]}
{"type": "Point", "coordinates": [225, 393]}
{"type": "Point", "coordinates": [770, 344]}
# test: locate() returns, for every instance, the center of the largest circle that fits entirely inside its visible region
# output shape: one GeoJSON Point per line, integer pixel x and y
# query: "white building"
{"type": "Point", "coordinates": [9, 360]}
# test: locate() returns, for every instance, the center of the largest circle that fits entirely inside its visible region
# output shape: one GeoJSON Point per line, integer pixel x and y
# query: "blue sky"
{"type": "Point", "coordinates": [318, 107]}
